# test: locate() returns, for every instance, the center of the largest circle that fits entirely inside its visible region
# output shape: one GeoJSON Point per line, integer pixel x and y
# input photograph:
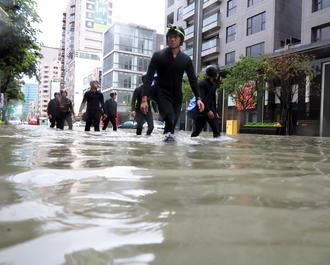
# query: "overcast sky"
{"type": "Point", "coordinates": [150, 13]}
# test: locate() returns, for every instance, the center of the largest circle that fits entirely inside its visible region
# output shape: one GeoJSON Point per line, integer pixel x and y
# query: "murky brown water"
{"type": "Point", "coordinates": [114, 198]}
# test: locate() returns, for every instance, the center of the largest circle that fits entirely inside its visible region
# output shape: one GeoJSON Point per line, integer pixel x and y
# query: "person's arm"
{"type": "Point", "coordinates": [71, 108]}
{"type": "Point", "coordinates": [102, 102]}
{"type": "Point", "coordinates": [147, 86]}
{"type": "Point", "coordinates": [193, 84]}
{"type": "Point", "coordinates": [154, 106]}
{"type": "Point", "coordinates": [134, 100]}
{"type": "Point", "coordinates": [83, 103]}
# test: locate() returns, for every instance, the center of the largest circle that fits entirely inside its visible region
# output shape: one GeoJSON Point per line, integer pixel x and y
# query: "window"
{"type": "Point", "coordinates": [321, 33]}
{"type": "Point", "coordinates": [125, 62]}
{"type": "Point", "coordinates": [143, 64]}
{"type": "Point", "coordinates": [179, 13]}
{"type": "Point", "coordinates": [320, 4]}
{"type": "Point", "coordinates": [170, 18]}
{"type": "Point", "coordinates": [90, 15]}
{"type": "Point", "coordinates": [126, 44]}
{"type": "Point", "coordinates": [124, 80]}
{"type": "Point", "coordinates": [230, 58]}
{"type": "Point", "coordinates": [256, 23]}
{"type": "Point", "coordinates": [231, 33]}
{"type": "Point", "coordinates": [170, 2]}
{"type": "Point", "coordinates": [253, 2]}
{"type": "Point", "coordinates": [255, 50]}
{"type": "Point", "coordinates": [231, 7]}
{"type": "Point", "coordinates": [89, 24]}
{"type": "Point", "coordinates": [90, 6]}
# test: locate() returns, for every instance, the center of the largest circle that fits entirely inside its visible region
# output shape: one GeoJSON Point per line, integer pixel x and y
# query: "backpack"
{"type": "Point", "coordinates": [192, 109]}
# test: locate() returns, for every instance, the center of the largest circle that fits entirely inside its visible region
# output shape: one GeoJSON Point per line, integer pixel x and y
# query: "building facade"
{"type": "Point", "coordinates": [49, 73]}
{"type": "Point", "coordinates": [84, 23]}
{"type": "Point", "coordinates": [30, 91]}
{"type": "Point", "coordinates": [127, 52]}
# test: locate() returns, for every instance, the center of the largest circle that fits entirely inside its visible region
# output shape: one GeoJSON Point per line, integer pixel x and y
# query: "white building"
{"type": "Point", "coordinates": [84, 23]}
{"type": "Point", "coordinates": [49, 72]}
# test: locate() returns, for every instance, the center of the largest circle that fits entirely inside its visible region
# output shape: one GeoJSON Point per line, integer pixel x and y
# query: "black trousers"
{"type": "Point", "coordinates": [93, 118]}
{"type": "Point", "coordinates": [200, 121]}
{"type": "Point", "coordinates": [52, 120]}
{"type": "Point", "coordinates": [65, 117]}
{"type": "Point", "coordinates": [170, 112]}
{"type": "Point", "coordinates": [141, 119]}
{"type": "Point", "coordinates": [112, 119]}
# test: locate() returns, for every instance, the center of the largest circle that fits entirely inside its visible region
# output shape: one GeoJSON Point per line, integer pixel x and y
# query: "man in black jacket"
{"type": "Point", "coordinates": [65, 110]}
{"type": "Point", "coordinates": [137, 114]}
{"type": "Point", "coordinates": [207, 88]}
{"type": "Point", "coordinates": [110, 112]}
{"type": "Point", "coordinates": [170, 65]}
{"type": "Point", "coordinates": [95, 106]}
{"type": "Point", "coordinates": [52, 110]}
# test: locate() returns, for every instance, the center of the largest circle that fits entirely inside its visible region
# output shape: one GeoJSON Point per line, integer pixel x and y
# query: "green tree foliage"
{"type": "Point", "coordinates": [19, 49]}
{"type": "Point", "coordinates": [288, 73]}
{"type": "Point", "coordinates": [244, 74]}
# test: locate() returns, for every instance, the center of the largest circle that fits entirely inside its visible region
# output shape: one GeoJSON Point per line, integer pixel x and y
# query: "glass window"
{"type": "Point", "coordinates": [89, 24]}
{"type": "Point", "coordinates": [108, 63]}
{"type": "Point", "coordinates": [90, 15]}
{"type": "Point", "coordinates": [320, 4]}
{"type": "Point", "coordinates": [107, 81]}
{"type": "Point", "coordinates": [170, 2]}
{"type": "Point", "coordinates": [230, 58]}
{"type": "Point", "coordinates": [256, 23]}
{"type": "Point", "coordinates": [253, 2]}
{"type": "Point", "coordinates": [231, 33]}
{"type": "Point", "coordinates": [90, 6]}
{"type": "Point", "coordinates": [255, 50]}
{"type": "Point", "coordinates": [123, 97]}
{"type": "Point", "coordinates": [170, 18]}
{"type": "Point", "coordinates": [125, 61]}
{"type": "Point", "coordinates": [124, 80]}
{"type": "Point", "coordinates": [231, 7]}
{"type": "Point", "coordinates": [321, 33]}
{"type": "Point", "coordinates": [125, 43]}
{"type": "Point", "coordinates": [179, 13]}
{"type": "Point", "coordinates": [143, 64]}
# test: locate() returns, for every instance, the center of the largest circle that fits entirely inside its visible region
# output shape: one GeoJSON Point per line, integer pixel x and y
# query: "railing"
{"type": "Point", "coordinates": [209, 44]}
{"type": "Point", "coordinates": [211, 19]}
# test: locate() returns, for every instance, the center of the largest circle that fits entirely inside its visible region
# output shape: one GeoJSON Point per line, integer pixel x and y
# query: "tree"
{"type": "Point", "coordinates": [241, 82]}
{"type": "Point", "coordinates": [19, 49]}
{"type": "Point", "coordinates": [186, 89]}
{"type": "Point", "coordinates": [285, 75]}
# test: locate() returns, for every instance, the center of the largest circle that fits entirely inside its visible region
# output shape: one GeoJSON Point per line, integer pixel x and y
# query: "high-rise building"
{"type": "Point", "coordinates": [84, 23]}
{"type": "Point", "coordinates": [49, 73]}
{"type": "Point", "coordinates": [30, 91]}
{"type": "Point", "coordinates": [127, 52]}
{"type": "Point", "coordinates": [220, 31]}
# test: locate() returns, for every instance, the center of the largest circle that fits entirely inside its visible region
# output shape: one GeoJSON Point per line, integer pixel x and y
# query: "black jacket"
{"type": "Point", "coordinates": [52, 107]}
{"type": "Point", "coordinates": [95, 102]}
{"type": "Point", "coordinates": [208, 94]}
{"type": "Point", "coordinates": [137, 99]}
{"type": "Point", "coordinates": [65, 105]}
{"type": "Point", "coordinates": [169, 75]}
{"type": "Point", "coordinates": [110, 107]}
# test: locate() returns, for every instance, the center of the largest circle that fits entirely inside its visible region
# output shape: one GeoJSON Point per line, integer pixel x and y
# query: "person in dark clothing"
{"type": "Point", "coordinates": [65, 110]}
{"type": "Point", "coordinates": [95, 106]}
{"type": "Point", "coordinates": [52, 110]}
{"type": "Point", "coordinates": [207, 88]}
{"type": "Point", "coordinates": [137, 114]}
{"type": "Point", "coordinates": [110, 112]}
{"type": "Point", "coordinates": [170, 65]}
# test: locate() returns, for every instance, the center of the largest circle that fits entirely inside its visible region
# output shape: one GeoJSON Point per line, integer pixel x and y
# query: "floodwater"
{"type": "Point", "coordinates": [114, 198]}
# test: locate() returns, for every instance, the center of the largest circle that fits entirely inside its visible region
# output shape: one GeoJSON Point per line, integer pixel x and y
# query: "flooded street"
{"type": "Point", "coordinates": [115, 198]}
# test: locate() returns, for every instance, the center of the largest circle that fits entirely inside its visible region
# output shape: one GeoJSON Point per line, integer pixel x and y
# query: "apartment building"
{"type": "Point", "coordinates": [84, 23]}
{"type": "Point", "coordinates": [127, 52]}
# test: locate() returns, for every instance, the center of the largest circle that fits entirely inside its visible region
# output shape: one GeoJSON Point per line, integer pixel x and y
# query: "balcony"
{"type": "Point", "coordinates": [210, 47]}
{"type": "Point", "coordinates": [189, 33]}
{"type": "Point", "coordinates": [188, 11]}
{"type": "Point", "coordinates": [211, 23]}
{"type": "Point", "coordinates": [208, 3]}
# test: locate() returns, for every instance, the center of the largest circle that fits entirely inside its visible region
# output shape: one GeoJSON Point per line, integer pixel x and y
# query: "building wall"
{"type": "Point", "coordinates": [312, 19]}
{"type": "Point", "coordinates": [30, 91]}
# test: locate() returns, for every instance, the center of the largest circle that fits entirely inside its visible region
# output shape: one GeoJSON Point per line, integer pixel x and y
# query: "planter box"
{"type": "Point", "coordinates": [260, 130]}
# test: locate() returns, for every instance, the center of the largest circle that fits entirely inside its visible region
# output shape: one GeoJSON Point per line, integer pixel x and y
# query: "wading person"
{"type": "Point", "coordinates": [207, 89]}
{"type": "Point", "coordinates": [110, 112]}
{"type": "Point", "coordinates": [137, 114]}
{"type": "Point", "coordinates": [52, 110]}
{"type": "Point", "coordinates": [170, 64]}
{"type": "Point", "coordinates": [95, 106]}
{"type": "Point", "coordinates": [65, 110]}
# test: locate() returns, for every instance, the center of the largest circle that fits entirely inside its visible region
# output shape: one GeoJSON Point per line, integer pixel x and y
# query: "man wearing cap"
{"type": "Point", "coordinates": [170, 64]}
{"type": "Point", "coordinates": [95, 106]}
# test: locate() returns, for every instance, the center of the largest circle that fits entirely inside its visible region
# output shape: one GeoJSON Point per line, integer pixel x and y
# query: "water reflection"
{"type": "Point", "coordinates": [114, 198]}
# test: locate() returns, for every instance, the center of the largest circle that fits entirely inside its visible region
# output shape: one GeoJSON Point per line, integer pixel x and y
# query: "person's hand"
{"type": "Point", "coordinates": [157, 116]}
{"type": "Point", "coordinates": [50, 116]}
{"type": "Point", "coordinates": [200, 105]}
{"type": "Point", "coordinates": [217, 115]}
{"type": "Point", "coordinates": [144, 105]}
{"type": "Point", "coordinates": [210, 114]}
{"type": "Point", "coordinates": [133, 113]}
